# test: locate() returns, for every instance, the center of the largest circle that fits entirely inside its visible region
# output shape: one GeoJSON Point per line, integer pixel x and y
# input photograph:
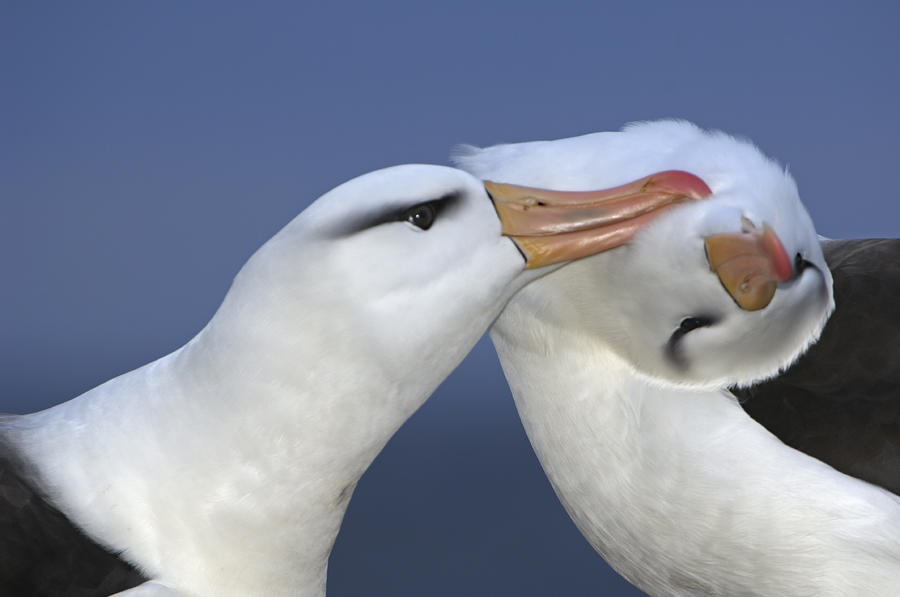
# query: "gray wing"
{"type": "Point", "coordinates": [42, 553]}
{"type": "Point", "coordinates": [841, 401]}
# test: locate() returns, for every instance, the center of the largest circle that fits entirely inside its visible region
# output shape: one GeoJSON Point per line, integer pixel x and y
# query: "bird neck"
{"type": "Point", "coordinates": [678, 489]}
{"type": "Point", "coordinates": [228, 464]}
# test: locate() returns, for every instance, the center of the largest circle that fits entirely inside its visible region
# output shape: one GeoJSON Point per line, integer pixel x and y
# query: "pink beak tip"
{"type": "Point", "coordinates": [781, 262]}
{"type": "Point", "coordinates": [681, 182]}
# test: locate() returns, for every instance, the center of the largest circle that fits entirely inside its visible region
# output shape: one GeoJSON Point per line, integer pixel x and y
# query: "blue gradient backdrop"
{"type": "Point", "coordinates": [149, 148]}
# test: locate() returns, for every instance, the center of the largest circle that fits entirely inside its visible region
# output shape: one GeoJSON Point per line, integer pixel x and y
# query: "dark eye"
{"type": "Point", "coordinates": [689, 324]}
{"type": "Point", "coordinates": [422, 215]}
{"type": "Point", "coordinates": [800, 264]}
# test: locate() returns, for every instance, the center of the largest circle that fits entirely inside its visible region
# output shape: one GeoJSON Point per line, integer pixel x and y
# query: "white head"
{"type": "Point", "coordinates": [382, 285]}
{"type": "Point", "coordinates": [656, 301]}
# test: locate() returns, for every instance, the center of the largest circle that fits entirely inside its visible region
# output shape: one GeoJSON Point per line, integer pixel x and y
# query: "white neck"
{"type": "Point", "coordinates": [238, 484]}
{"type": "Point", "coordinates": [225, 468]}
{"type": "Point", "coordinates": [682, 492]}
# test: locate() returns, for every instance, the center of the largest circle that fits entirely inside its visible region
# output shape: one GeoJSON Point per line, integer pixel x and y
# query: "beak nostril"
{"type": "Point", "coordinates": [747, 225]}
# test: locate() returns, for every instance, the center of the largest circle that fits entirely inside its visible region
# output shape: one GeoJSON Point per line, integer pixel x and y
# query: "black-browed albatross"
{"type": "Point", "coordinates": [620, 364]}
{"type": "Point", "coordinates": [225, 467]}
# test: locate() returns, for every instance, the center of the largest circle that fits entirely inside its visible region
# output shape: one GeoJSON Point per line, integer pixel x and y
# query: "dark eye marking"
{"type": "Point", "coordinates": [687, 325]}
{"type": "Point", "coordinates": [800, 264]}
{"type": "Point", "coordinates": [422, 214]}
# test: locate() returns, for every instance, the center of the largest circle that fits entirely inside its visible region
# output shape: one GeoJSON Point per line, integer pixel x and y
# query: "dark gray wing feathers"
{"type": "Point", "coordinates": [841, 401]}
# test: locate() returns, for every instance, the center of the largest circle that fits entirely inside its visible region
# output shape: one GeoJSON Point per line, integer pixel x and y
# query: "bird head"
{"type": "Point", "coordinates": [719, 291]}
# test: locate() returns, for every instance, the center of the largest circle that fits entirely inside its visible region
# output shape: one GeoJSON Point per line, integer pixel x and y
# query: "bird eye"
{"type": "Point", "coordinates": [421, 216]}
{"type": "Point", "coordinates": [689, 324]}
{"type": "Point", "coordinates": [800, 264]}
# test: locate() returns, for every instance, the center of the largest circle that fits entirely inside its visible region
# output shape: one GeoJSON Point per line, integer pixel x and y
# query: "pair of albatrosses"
{"type": "Point", "coordinates": [225, 468]}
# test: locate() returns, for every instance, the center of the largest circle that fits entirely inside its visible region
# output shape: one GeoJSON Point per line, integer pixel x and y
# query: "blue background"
{"type": "Point", "coordinates": [148, 148]}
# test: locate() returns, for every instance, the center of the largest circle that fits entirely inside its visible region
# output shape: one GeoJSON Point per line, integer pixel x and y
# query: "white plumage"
{"type": "Point", "coordinates": [620, 365]}
{"type": "Point", "coordinates": [225, 467]}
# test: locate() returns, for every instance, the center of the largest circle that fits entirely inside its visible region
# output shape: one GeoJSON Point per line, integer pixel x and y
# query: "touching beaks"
{"type": "Point", "coordinates": [749, 264]}
{"type": "Point", "coordinates": [555, 226]}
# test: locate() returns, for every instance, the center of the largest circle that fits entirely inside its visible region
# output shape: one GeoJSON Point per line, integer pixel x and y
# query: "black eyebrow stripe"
{"type": "Point", "coordinates": [672, 348]}
{"type": "Point", "coordinates": [395, 214]}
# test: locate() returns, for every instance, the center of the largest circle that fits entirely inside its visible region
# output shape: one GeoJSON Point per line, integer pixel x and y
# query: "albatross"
{"type": "Point", "coordinates": [620, 366]}
{"type": "Point", "coordinates": [225, 468]}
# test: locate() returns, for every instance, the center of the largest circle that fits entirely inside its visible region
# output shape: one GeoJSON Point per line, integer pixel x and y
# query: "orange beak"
{"type": "Point", "coordinates": [555, 226]}
{"type": "Point", "coordinates": [749, 265]}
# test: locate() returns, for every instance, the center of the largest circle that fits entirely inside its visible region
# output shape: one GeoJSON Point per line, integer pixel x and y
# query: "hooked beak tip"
{"type": "Point", "coordinates": [749, 265]}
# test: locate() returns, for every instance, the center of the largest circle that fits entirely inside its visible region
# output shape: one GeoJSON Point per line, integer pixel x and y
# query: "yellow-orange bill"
{"type": "Point", "coordinates": [749, 265]}
{"type": "Point", "coordinates": [555, 226]}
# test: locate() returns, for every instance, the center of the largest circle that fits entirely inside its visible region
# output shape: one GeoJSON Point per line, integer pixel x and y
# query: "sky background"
{"type": "Point", "coordinates": [147, 149]}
